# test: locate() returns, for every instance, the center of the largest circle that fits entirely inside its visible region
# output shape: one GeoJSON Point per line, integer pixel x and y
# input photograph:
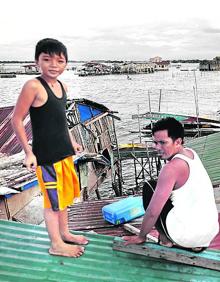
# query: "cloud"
{"type": "Point", "coordinates": [182, 40]}
{"type": "Point", "coordinates": [117, 29]}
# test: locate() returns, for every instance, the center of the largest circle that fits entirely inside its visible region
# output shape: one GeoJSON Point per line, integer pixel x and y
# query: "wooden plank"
{"type": "Point", "coordinates": [136, 231]}
{"type": "Point", "coordinates": [32, 213]}
{"type": "Point", "coordinates": [3, 209]}
{"type": "Point", "coordinates": [18, 201]}
{"type": "Point", "coordinates": [207, 259]}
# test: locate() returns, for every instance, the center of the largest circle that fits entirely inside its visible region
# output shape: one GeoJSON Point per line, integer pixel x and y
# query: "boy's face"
{"type": "Point", "coordinates": [52, 65]}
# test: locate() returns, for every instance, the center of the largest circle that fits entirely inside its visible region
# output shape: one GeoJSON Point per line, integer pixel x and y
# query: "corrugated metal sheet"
{"type": "Point", "coordinates": [87, 216]}
{"type": "Point", "coordinates": [24, 257]}
{"type": "Point", "coordinates": [8, 141]}
{"type": "Point", "coordinates": [209, 151]}
{"type": "Point", "coordinates": [12, 174]}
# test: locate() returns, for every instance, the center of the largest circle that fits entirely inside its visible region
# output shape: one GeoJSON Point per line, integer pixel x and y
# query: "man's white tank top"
{"type": "Point", "coordinates": [193, 221]}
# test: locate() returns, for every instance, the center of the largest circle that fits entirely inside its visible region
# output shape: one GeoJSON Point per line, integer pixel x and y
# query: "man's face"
{"type": "Point", "coordinates": [165, 145]}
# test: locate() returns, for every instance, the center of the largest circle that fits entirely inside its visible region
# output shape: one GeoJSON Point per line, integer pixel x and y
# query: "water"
{"type": "Point", "coordinates": [125, 96]}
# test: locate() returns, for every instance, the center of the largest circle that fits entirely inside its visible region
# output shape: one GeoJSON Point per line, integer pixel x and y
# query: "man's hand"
{"type": "Point", "coordinates": [30, 162]}
{"type": "Point", "coordinates": [133, 240]}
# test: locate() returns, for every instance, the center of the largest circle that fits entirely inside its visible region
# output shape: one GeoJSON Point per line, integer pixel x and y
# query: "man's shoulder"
{"type": "Point", "coordinates": [175, 162]}
{"type": "Point", "coordinates": [174, 165]}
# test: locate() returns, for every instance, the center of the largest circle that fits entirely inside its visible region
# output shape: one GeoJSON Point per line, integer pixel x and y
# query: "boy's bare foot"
{"type": "Point", "coordinates": [66, 250]}
{"type": "Point", "coordinates": [75, 239]}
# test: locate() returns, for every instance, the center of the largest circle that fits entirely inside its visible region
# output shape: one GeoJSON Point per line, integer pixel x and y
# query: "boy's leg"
{"type": "Point", "coordinates": [65, 233]}
{"type": "Point", "coordinates": [47, 178]}
{"type": "Point", "coordinates": [58, 247]}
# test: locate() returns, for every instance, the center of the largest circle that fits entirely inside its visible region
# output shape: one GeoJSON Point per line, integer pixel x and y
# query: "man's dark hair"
{"type": "Point", "coordinates": [174, 127]}
{"type": "Point", "coordinates": [50, 46]}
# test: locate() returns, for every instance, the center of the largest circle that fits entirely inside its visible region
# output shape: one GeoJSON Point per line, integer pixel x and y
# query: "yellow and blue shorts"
{"type": "Point", "coordinates": [59, 184]}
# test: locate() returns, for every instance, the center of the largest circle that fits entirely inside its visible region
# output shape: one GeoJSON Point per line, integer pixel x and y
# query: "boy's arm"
{"type": "Point", "coordinates": [77, 148]}
{"type": "Point", "coordinates": [25, 100]}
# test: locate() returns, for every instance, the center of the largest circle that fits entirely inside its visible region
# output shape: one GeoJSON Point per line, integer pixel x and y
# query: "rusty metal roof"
{"type": "Point", "coordinates": [8, 141]}
{"type": "Point", "coordinates": [24, 257]}
{"type": "Point", "coordinates": [87, 216]}
{"type": "Point", "coordinates": [13, 175]}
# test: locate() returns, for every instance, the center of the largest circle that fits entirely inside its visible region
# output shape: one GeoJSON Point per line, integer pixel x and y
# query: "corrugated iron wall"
{"type": "Point", "coordinates": [208, 149]}
{"type": "Point", "coordinates": [8, 142]}
{"type": "Point", "coordinates": [24, 258]}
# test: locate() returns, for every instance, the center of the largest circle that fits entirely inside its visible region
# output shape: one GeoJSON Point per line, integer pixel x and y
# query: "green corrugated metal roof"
{"type": "Point", "coordinates": [24, 257]}
{"type": "Point", "coordinates": [208, 148]}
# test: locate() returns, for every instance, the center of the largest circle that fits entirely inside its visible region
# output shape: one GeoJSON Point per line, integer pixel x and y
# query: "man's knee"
{"type": "Point", "coordinates": [148, 190]}
{"type": "Point", "coordinates": [149, 185]}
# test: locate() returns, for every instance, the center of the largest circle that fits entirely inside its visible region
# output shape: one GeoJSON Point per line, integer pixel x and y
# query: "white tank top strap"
{"type": "Point", "coordinates": [180, 156]}
{"type": "Point", "coordinates": [185, 158]}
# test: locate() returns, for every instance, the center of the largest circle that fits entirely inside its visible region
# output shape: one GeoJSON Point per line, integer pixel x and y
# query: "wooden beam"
{"type": "Point", "coordinates": [207, 259]}
{"type": "Point", "coordinates": [136, 231]}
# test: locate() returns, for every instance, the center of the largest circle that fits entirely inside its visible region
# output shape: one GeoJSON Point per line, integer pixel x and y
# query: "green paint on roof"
{"type": "Point", "coordinates": [208, 148]}
{"type": "Point", "coordinates": [24, 257]}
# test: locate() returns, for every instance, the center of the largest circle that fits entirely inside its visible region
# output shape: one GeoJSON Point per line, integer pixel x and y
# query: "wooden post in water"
{"type": "Point", "coordinates": [160, 100]}
{"type": "Point", "coordinates": [149, 103]}
{"type": "Point", "coordinates": [196, 103]}
{"type": "Point", "coordinates": [139, 125]}
{"type": "Point", "coordinates": [197, 110]}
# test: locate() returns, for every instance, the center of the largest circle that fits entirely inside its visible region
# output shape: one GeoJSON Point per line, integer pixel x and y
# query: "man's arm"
{"type": "Point", "coordinates": [25, 100]}
{"type": "Point", "coordinates": [165, 184]}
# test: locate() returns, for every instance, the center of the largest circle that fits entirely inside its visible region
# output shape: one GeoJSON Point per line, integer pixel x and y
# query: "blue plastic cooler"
{"type": "Point", "coordinates": [123, 210]}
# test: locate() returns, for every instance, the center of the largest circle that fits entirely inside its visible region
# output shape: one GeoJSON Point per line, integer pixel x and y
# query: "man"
{"type": "Point", "coordinates": [182, 206]}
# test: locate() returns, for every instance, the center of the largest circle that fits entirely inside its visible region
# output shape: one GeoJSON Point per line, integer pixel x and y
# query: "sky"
{"type": "Point", "coordinates": [112, 29]}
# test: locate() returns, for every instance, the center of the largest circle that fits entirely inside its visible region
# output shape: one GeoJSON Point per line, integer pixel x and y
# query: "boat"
{"type": "Point", "coordinates": [31, 69]}
{"type": "Point", "coordinates": [7, 75]}
{"type": "Point", "coordinates": [193, 125]}
{"type": "Point", "coordinates": [92, 126]}
{"type": "Point", "coordinates": [93, 68]}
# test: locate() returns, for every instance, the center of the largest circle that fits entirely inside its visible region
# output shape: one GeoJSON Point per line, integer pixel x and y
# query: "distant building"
{"type": "Point", "coordinates": [159, 64]}
{"type": "Point", "coordinates": [93, 68]}
{"type": "Point", "coordinates": [162, 66]}
{"type": "Point", "coordinates": [156, 59]}
{"type": "Point", "coordinates": [136, 67]}
{"type": "Point", "coordinates": [31, 69]}
{"type": "Point", "coordinates": [210, 65]}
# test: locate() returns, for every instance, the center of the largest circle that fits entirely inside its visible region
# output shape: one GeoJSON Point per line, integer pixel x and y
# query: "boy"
{"type": "Point", "coordinates": [52, 148]}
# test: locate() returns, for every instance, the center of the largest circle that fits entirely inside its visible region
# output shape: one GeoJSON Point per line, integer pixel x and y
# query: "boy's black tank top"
{"type": "Point", "coordinates": [51, 142]}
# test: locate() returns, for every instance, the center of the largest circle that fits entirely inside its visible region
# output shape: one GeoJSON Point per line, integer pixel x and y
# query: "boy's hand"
{"type": "Point", "coordinates": [77, 148]}
{"type": "Point", "coordinates": [30, 162]}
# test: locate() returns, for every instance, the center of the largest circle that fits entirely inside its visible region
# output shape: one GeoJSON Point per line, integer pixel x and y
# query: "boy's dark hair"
{"type": "Point", "coordinates": [174, 127]}
{"type": "Point", "coordinates": [50, 46]}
